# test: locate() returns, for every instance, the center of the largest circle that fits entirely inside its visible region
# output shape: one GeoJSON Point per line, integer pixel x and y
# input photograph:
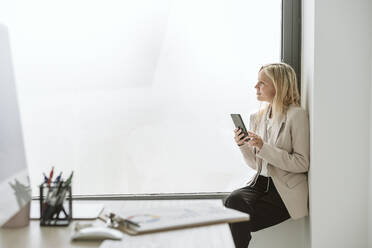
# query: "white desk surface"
{"type": "Point", "coordinates": [55, 237]}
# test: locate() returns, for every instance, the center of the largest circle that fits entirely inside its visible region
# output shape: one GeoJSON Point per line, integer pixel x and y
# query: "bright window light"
{"type": "Point", "coordinates": [136, 96]}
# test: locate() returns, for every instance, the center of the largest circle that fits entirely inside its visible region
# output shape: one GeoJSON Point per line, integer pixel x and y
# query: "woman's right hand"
{"type": "Point", "coordinates": [239, 137]}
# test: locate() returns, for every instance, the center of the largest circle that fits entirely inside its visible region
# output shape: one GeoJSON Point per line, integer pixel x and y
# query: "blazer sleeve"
{"type": "Point", "coordinates": [249, 153]}
{"type": "Point", "coordinates": [298, 160]}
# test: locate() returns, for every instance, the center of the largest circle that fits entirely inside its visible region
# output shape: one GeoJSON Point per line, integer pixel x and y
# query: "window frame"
{"type": "Point", "coordinates": [290, 54]}
{"type": "Point", "coordinates": [291, 36]}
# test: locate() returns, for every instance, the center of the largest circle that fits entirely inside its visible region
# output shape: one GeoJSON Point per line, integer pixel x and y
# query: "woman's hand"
{"type": "Point", "coordinates": [255, 140]}
{"type": "Point", "coordinates": [239, 137]}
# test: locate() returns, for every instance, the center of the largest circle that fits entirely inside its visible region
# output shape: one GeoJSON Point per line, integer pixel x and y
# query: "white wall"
{"type": "Point", "coordinates": [337, 78]}
{"type": "Point", "coordinates": [370, 172]}
{"type": "Point", "coordinates": [307, 79]}
{"type": "Point", "coordinates": [370, 160]}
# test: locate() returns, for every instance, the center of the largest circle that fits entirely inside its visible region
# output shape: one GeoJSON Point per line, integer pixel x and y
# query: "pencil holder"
{"type": "Point", "coordinates": [55, 204]}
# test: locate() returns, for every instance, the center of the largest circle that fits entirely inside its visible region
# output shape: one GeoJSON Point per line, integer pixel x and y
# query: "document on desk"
{"type": "Point", "coordinates": [215, 236]}
{"type": "Point", "coordinates": [148, 220]}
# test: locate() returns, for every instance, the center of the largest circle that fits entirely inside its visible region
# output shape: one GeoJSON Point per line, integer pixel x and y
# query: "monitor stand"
{"type": "Point", "coordinates": [21, 219]}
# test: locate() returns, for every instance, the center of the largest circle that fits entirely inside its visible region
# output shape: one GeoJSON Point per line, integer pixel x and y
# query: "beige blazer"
{"type": "Point", "coordinates": [287, 155]}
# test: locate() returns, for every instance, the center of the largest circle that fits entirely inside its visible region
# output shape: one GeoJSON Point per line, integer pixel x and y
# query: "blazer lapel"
{"type": "Point", "coordinates": [278, 126]}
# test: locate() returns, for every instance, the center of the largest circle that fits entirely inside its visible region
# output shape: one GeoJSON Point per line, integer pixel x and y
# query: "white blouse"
{"type": "Point", "coordinates": [266, 139]}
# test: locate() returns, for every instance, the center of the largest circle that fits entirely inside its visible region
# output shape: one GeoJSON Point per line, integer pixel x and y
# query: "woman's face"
{"type": "Point", "coordinates": [265, 88]}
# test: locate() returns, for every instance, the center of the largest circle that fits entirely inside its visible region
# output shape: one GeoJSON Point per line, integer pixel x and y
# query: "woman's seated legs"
{"type": "Point", "coordinates": [264, 205]}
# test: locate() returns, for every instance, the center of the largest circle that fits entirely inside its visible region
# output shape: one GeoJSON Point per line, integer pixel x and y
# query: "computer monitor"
{"type": "Point", "coordinates": [15, 191]}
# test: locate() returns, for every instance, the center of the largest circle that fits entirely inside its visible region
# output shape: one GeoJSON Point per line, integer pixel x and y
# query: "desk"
{"type": "Point", "coordinates": [46, 237]}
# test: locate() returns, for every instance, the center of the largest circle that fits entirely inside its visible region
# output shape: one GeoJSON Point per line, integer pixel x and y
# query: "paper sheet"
{"type": "Point", "coordinates": [160, 218]}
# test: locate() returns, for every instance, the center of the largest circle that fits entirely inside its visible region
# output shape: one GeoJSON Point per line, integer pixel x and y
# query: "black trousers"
{"type": "Point", "coordinates": [264, 205]}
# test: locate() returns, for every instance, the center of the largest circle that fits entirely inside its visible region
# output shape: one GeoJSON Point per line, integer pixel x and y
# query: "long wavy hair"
{"type": "Point", "coordinates": [284, 80]}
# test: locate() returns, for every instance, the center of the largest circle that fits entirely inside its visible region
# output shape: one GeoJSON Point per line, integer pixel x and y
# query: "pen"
{"type": "Point", "coordinates": [57, 201]}
{"type": "Point", "coordinates": [59, 187]}
{"type": "Point", "coordinates": [45, 178]}
{"type": "Point", "coordinates": [50, 209]}
{"type": "Point", "coordinates": [68, 181]}
{"type": "Point", "coordinates": [47, 181]}
{"type": "Point", "coordinates": [127, 221]}
{"type": "Point", "coordinates": [131, 222]}
{"type": "Point", "coordinates": [50, 176]}
{"type": "Point", "coordinates": [61, 195]}
{"type": "Point", "coordinates": [58, 177]}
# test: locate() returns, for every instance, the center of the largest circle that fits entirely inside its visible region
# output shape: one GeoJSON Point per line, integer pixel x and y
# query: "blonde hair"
{"type": "Point", "coordinates": [284, 80]}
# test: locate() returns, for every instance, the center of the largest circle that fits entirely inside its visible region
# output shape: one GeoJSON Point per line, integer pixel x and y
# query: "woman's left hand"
{"type": "Point", "coordinates": [255, 141]}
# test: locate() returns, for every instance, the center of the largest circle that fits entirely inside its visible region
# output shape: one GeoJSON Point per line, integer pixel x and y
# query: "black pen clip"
{"type": "Point", "coordinates": [116, 221]}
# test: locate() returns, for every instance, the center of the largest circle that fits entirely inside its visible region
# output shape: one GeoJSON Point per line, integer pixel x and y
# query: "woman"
{"type": "Point", "coordinates": [277, 147]}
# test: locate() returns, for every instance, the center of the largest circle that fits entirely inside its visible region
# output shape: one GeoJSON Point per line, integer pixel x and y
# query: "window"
{"type": "Point", "coordinates": [135, 96]}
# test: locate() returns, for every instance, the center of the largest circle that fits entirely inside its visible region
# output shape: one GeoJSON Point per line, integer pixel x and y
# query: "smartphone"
{"type": "Point", "coordinates": [238, 121]}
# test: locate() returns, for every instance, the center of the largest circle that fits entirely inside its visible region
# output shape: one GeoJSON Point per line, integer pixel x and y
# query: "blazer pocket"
{"type": "Point", "coordinates": [295, 179]}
